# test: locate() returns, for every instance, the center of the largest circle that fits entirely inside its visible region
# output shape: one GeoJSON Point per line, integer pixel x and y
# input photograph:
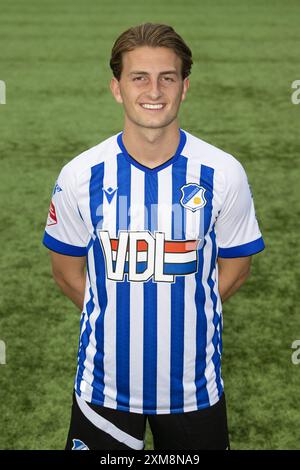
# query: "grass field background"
{"type": "Point", "coordinates": [54, 59]}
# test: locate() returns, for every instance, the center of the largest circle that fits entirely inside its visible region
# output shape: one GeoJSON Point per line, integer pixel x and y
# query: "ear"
{"type": "Point", "coordinates": [115, 89]}
{"type": "Point", "coordinates": [186, 84]}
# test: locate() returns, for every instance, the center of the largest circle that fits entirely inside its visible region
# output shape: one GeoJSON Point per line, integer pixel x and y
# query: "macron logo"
{"type": "Point", "coordinates": [109, 192]}
{"type": "Point", "coordinates": [57, 189]}
{"type": "Point", "coordinates": [79, 445]}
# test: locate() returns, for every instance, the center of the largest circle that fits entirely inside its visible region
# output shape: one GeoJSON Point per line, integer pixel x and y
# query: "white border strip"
{"type": "Point", "coordinates": [108, 427]}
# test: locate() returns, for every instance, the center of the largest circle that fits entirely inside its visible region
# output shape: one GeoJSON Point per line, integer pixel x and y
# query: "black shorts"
{"type": "Point", "coordinates": [95, 427]}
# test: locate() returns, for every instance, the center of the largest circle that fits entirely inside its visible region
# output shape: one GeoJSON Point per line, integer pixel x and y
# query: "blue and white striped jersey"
{"type": "Point", "coordinates": [151, 326]}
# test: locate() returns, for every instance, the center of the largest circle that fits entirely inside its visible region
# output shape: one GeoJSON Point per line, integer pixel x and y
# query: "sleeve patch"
{"type": "Point", "coordinates": [52, 218]}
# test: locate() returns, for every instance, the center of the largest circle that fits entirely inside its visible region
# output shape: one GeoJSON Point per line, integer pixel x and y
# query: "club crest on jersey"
{"type": "Point", "coordinates": [79, 445]}
{"type": "Point", "coordinates": [192, 196]}
{"type": "Point", "coordinates": [142, 256]}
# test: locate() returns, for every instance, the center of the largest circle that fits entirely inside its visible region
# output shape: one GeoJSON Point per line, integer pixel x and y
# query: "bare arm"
{"type": "Point", "coordinates": [69, 274]}
{"type": "Point", "coordinates": [233, 272]}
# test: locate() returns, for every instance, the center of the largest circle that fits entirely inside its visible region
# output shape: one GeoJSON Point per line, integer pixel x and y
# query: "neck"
{"type": "Point", "coordinates": [151, 147]}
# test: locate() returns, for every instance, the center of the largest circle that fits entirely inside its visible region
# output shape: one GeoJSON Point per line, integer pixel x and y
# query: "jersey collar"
{"type": "Point", "coordinates": [171, 160]}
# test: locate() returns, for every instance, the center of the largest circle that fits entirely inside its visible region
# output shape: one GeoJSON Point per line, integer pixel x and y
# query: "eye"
{"type": "Point", "coordinates": [138, 78]}
{"type": "Point", "coordinates": [169, 79]}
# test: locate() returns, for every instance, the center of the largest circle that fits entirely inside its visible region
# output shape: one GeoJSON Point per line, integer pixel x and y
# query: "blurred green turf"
{"type": "Point", "coordinates": [54, 59]}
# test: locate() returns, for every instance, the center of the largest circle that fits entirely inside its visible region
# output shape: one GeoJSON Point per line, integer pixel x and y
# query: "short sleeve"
{"type": "Point", "coordinates": [65, 231]}
{"type": "Point", "coordinates": [237, 230]}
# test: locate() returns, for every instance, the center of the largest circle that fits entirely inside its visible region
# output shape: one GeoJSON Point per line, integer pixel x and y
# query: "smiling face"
{"type": "Point", "coordinates": [151, 87]}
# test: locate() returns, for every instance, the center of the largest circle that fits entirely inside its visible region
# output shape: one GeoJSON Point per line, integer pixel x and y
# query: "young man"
{"type": "Point", "coordinates": [165, 225]}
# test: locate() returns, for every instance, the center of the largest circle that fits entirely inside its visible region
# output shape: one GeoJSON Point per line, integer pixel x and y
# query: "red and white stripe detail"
{"type": "Point", "coordinates": [178, 251]}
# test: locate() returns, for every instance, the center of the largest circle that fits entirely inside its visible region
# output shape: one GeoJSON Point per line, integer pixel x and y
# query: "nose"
{"type": "Point", "coordinates": [154, 89]}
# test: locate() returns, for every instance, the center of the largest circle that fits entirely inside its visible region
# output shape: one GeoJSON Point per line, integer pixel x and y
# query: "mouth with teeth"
{"type": "Point", "coordinates": [153, 107]}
